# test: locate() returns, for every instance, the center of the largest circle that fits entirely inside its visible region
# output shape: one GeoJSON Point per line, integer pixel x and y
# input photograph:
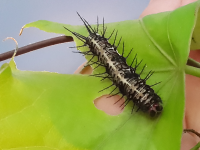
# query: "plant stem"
{"type": "Point", "coordinates": [192, 62]}
{"type": "Point", "coordinates": [196, 147]}
{"type": "Point", "coordinates": [35, 46]}
{"type": "Point", "coordinates": [192, 71]}
{"type": "Point", "coordinates": [192, 131]}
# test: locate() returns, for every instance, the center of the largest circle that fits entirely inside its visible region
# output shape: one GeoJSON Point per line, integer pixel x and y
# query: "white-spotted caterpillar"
{"type": "Point", "coordinates": [123, 76]}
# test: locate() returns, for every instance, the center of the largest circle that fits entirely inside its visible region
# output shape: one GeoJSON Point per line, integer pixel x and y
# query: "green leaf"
{"type": "Point", "coordinates": [41, 110]}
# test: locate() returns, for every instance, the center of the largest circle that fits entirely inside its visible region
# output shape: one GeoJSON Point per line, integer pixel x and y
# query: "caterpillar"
{"type": "Point", "coordinates": [123, 76]}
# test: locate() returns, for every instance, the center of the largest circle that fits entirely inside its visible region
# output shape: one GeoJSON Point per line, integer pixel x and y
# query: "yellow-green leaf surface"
{"type": "Point", "coordinates": [41, 110]}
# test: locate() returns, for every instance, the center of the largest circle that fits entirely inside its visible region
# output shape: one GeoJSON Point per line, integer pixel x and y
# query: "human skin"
{"type": "Point", "coordinates": [192, 111]}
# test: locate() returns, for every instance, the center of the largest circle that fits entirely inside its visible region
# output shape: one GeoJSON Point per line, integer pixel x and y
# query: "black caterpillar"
{"type": "Point", "coordinates": [123, 76]}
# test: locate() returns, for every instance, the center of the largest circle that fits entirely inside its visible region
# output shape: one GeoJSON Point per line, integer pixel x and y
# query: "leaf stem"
{"type": "Point", "coordinates": [192, 71]}
{"type": "Point", "coordinates": [192, 62]}
{"type": "Point", "coordinates": [196, 147]}
{"type": "Point", "coordinates": [192, 131]}
{"type": "Point", "coordinates": [35, 46]}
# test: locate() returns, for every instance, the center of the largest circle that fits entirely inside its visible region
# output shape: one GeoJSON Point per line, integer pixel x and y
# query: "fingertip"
{"type": "Point", "coordinates": [109, 105]}
{"type": "Point", "coordinates": [157, 6]}
{"type": "Point", "coordinates": [84, 70]}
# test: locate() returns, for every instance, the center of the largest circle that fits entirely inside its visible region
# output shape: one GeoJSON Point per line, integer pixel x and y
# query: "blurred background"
{"type": "Point", "coordinates": [58, 58]}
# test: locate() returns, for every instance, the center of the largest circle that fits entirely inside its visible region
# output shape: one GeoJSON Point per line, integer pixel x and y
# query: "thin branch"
{"type": "Point", "coordinates": [192, 131]}
{"type": "Point", "coordinates": [192, 62]}
{"type": "Point", "coordinates": [35, 46]}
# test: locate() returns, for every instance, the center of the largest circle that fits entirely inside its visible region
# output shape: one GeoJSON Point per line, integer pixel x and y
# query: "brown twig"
{"type": "Point", "coordinates": [192, 131]}
{"type": "Point", "coordinates": [35, 46]}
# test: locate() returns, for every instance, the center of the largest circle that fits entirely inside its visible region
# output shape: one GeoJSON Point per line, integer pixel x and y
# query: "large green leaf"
{"type": "Point", "coordinates": [41, 110]}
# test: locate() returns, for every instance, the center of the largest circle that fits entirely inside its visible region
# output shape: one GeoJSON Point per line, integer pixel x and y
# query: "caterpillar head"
{"type": "Point", "coordinates": [156, 106]}
{"type": "Point", "coordinates": [155, 109]}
